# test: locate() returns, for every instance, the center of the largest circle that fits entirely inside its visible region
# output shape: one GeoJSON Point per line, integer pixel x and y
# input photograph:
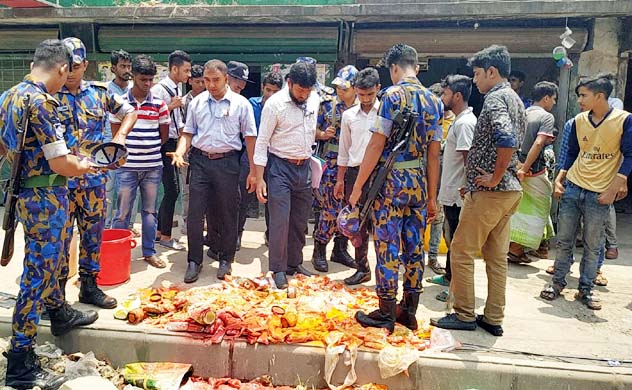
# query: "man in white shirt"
{"type": "Point", "coordinates": [287, 131]}
{"type": "Point", "coordinates": [216, 121]}
{"type": "Point", "coordinates": [169, 90]}
{"type": "Point", "coordinates": [354, 137]}
{"type": "Point", "coordinates": [456, 93]}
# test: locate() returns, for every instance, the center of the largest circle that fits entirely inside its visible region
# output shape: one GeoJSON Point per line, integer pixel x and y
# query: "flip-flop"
{"type": "Point", "coordinates": [518, 259]}
{"type": "Point", "coordinates": [600, 280]}
{"type": "Point", "coordinates": [155, 261]}
{"type": "Point", "coordinates": [438, 279]}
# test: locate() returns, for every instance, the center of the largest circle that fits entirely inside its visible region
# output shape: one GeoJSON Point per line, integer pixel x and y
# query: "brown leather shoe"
{"type": "Point", "coordinates": [612, 253]}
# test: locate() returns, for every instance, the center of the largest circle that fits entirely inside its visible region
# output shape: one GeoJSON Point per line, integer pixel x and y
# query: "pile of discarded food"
{"type": "Point", "coordinates": [253, 309]}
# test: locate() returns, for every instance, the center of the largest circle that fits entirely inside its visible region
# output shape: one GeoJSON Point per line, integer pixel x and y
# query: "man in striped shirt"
{"type": "Point", "coordinates": [143, 168]}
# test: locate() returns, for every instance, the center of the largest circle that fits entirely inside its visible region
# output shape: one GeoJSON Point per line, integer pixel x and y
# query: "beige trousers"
{"type": "Point", "coordinates": [484, 226]}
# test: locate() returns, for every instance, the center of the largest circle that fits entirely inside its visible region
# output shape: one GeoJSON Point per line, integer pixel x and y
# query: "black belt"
{"type": "Point", "coordinates": [213, 156]}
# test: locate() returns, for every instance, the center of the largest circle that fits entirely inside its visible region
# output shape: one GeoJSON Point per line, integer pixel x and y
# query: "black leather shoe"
{"type": "Point", "coordinates": [358, 278]}
{"type": "Point", "coordinates": [407, 310]}
{"type": "Point", "coordinates": [280, 280]}
{"type": "Point", "coordinates": [340, 254]}
{"type": "Point", "coordinates": [24, 372]}
{"type": "Point", "coordinates": [193, 272]}
{"type": "Point", "coordinates": [224, 269]}
{"type": "Point", "coordinates": [213, 254]}
{"type": "Point", "coordinates": [299, 270]}
{"type": "Point", "coordinates": [319, 258]}
{"type": "Point", "coordinates": [384, 317]}
{"type": "Point", "coordinates": [91, 294]}
{"type": "Point", "coordinates": [65, 318]}
{"type": "Point", "coordinates": [494, 330]}
{"type": "Point", "coordinates": [452, 322]}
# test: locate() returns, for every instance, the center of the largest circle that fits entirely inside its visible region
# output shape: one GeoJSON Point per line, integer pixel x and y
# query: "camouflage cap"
{"type": "Point", "coordinates": [79, 52]}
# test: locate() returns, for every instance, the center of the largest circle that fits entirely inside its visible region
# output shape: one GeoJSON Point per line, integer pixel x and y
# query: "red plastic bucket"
{"type": "Point", "coordinates": [116, 256]}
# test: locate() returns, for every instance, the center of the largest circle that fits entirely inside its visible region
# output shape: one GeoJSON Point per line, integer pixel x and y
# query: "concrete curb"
{"type": "Point", "coordinates": [289, 363]}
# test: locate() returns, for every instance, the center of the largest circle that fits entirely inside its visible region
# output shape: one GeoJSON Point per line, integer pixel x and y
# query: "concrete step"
{"type": "Point", "coordinates": [290, 364]}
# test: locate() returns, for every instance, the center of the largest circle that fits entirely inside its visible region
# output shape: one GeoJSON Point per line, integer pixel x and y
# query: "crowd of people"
{"type": "Point", "coordinates": [484, 183]}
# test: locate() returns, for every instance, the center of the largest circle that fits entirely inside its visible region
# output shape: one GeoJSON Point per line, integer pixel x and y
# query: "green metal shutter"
{"type": "Point", "coordinates": [252, 44]}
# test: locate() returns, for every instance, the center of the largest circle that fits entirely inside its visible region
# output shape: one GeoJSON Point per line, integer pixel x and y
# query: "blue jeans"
{"type": "Point", "coordinates": [436, 233]}
{"type": "Point", "coordinates": [575, 204]}
{"type": "Point", "coordinates": [127, 183]}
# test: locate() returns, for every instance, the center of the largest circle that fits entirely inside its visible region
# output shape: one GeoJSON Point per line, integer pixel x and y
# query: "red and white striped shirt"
{"type": "Point", "coordinates": [143, 142]}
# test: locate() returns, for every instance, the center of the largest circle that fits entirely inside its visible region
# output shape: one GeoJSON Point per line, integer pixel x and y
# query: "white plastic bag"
{"type": "Point", "coordinates": [441, 340]}
{"type": "Point", "coordinates": [394, 360]}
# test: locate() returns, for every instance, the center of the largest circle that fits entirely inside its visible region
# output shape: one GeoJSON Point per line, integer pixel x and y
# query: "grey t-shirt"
{"type": "Point", "coordinates": [539, 121]}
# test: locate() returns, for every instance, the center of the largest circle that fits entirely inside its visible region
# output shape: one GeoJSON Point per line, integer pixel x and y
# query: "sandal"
{"type": "Point", "coordinates": [551, 292]}
{"type": "Point", "coordinates": [550, 270]}
{"type": "Point", "coordinates": [442, 296]}
{"type": "Point", "coordinates": [155, 261]}
{"type": "Point", "coordinates": [588, 299]}
{"type": "Point", "coordinates": [518, 259]}
{"type": "Point", "coordinates": [438, 279]}
{"type": "Point", "coordinates": [600, 280]}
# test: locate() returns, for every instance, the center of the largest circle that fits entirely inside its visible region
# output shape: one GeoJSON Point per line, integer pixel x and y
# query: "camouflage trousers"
{"type": "Point", "coordinates": [329, 207]}
{"type": "Point", "coordinates": [43, 212]}
{"type": "Point", "coordinates": [87, 207]}
{"type": "Point", "coordinates": [399, 223]}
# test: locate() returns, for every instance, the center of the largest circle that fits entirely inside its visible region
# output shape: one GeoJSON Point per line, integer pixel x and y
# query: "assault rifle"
{"type": "Point", "coordinates": [403, 125]}
{"type": "Point", "coordinates": [14, 185]}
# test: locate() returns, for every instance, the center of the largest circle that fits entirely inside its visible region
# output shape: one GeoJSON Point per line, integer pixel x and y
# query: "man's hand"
{"type": "Point", "coordinates": [617, 190]}
{"type": "Point", "coordinates": [355, 196]}
{"type": "Point", "coordinates": [119, 139]}
{"type": "Point", "coordinates": [485, 179]}
{"type": "Point", "coordinates": [339, 190]}
{"type": "Point", "coordinates": [85, 166]}
{"type": "Point", "coordinates": [431, 211]}
{"type": "Point", "coordinates": [559, 190]}
{"type": "Point", "coordinates": [262, 190]}
{"type": "Point", "coordinates": [176, 102]}
{"type": "Point", "coordinates": [251, 182]}
{"type": "Point", "coordinates": [521, 174]}
{"type": "Point", "coordinates": [462, 192]}
{"type": "Point", "coordinates": [177, 159]}
{"type": "Point", "coordinates": [329, 133]}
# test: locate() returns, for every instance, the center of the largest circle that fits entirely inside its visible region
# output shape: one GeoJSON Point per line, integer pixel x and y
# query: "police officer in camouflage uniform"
{"type": "Point", "coordinates": [84, 112]}
{"type": "Point", "coordinates": [409, 194]}
{"type": "Point", "coordinates": [329, 118]}
{"type": "Point", "coordinates": [42, 208]}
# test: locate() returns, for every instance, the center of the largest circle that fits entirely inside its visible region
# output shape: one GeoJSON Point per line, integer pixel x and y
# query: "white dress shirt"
{"type": "Point", "coordinates": [159, 91]}
{"type": "Point", "coordinates": [287, 130]}
{"type": "Point", "coordinates": [217, 124]}
{"type": "Point", "coordinates": [355, 134]}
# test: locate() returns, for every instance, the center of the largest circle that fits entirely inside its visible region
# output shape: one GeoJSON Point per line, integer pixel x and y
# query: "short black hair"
{"type": "Point", "coordinates": [272, 78]}
{"type": "Point", "coordinates": [494, 56]}
{"type": "Point", "coordinates": [197, 71]}
{"type": "Point", "coordinates": [118, 56]}
{"type": "Point", "coordinates": [143, 64]}
{"type": "Point", "coordinates": [217, 65]}
{"type": "Point", "coordinates": [303, 74]}
{"type": "Point", "coordinates": [402, 55]}
{"type": "Point", "coordinates": [366, 78]}
{"type": "Point", "coordinates": [602, 83]}
{"type": "Point", "coordinates": [520, 75]}
{"type": "Point", "coordinates": [178, 58]}
{"type": "Point", "coordinates": [50, 53]}
{"type": "Point", "coordinates": [543, 89]}
{"type": "Point", "coordinates": [458, 83]}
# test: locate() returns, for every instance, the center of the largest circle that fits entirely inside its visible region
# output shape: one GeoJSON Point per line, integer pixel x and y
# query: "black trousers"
{"type": "Point", "coordinates": [171, 188]}
{"type": "Point", "coordinates": [289, 202]}
{"type": "Point", "coordinates": [452, 214]}
{"type": "Point", "coordinates": [214, 186]}
{"type": "Point", "coordinates": [246, 197]}
{"type": "Point", "coordinates": [350, 178]}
